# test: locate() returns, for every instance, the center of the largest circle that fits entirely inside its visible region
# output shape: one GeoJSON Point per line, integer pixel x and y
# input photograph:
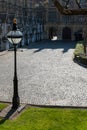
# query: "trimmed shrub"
{"type": "Point", "coordinates": [79, 54]}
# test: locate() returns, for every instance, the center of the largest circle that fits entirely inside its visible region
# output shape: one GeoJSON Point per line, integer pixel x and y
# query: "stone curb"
{"type": "Point", "coordinates": [57, 106]}
{"type": "Point", "coordinates": [9, 113]}
{"type": "Point", "coordinates": [79, 63]}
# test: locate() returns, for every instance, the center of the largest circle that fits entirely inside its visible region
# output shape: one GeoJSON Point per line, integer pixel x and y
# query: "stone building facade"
{"type": "Point", "coordinates": [64, 27]}
{"type": "Point", "coordinates": [38, 20]}
{"type": "Point", "coordinates": [30, 20]}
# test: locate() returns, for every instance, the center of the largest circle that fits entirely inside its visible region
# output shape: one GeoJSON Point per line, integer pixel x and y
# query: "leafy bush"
{"type": "Point", "coordinates": [79, 53]}
{"type": "Point", "coordinates": [79, 49]}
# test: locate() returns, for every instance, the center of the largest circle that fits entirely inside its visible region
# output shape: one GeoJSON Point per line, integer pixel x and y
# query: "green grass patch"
{"type": "Point", "coordinates": [3, 105]}
{"type": "Point", "coordinates": [48, 119]}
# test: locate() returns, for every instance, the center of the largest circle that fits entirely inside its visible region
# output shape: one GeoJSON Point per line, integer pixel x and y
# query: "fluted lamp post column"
{"type": "Point", "coordinates": [15, 37]}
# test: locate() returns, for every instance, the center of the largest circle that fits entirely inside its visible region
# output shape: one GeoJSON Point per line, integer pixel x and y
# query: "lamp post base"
{"type": "Point", "coordinates": [16, 99]}
{"type": "Point", "coordinates": [16, 102]}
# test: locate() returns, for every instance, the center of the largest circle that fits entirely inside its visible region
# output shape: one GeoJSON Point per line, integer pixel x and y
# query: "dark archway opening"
{"type": "Point", "coordinates": [66, 33]}
{"type": "Point", "coordinates": [52, 32]}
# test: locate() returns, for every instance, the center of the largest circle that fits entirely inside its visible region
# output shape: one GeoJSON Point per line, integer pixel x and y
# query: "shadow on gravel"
{"type": "Point", "coordinates": [48, 44]}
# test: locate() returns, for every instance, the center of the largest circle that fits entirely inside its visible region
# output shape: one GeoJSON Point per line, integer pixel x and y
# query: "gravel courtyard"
{"type": "Point", "coordinates": [47, 75]}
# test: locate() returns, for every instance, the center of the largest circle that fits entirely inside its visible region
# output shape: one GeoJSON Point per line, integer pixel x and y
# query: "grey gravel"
{"type": "Point", "coordinates": [47, 75]}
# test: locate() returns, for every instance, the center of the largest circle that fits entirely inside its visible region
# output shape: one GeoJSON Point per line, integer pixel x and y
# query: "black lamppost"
{"type": "Point", "coordinates": [15, 37]}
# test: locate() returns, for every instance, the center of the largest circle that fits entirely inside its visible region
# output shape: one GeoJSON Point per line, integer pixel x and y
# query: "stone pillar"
{"type": "Point", "coordinates": [4, 43]}
{"type": "Point", "coordinates": [85, 40]}
{"type": "Point", "coordinates": [22, 42]}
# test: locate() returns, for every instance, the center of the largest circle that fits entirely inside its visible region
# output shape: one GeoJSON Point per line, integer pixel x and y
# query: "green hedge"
{"type": "Point", "coordinates": [79, 54]}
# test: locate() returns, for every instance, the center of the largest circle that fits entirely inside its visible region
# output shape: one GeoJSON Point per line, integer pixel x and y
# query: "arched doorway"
{"type": "Point", "coordinates": [52, 32]}
{"type": "Point", "coordinates": [66, 33]}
